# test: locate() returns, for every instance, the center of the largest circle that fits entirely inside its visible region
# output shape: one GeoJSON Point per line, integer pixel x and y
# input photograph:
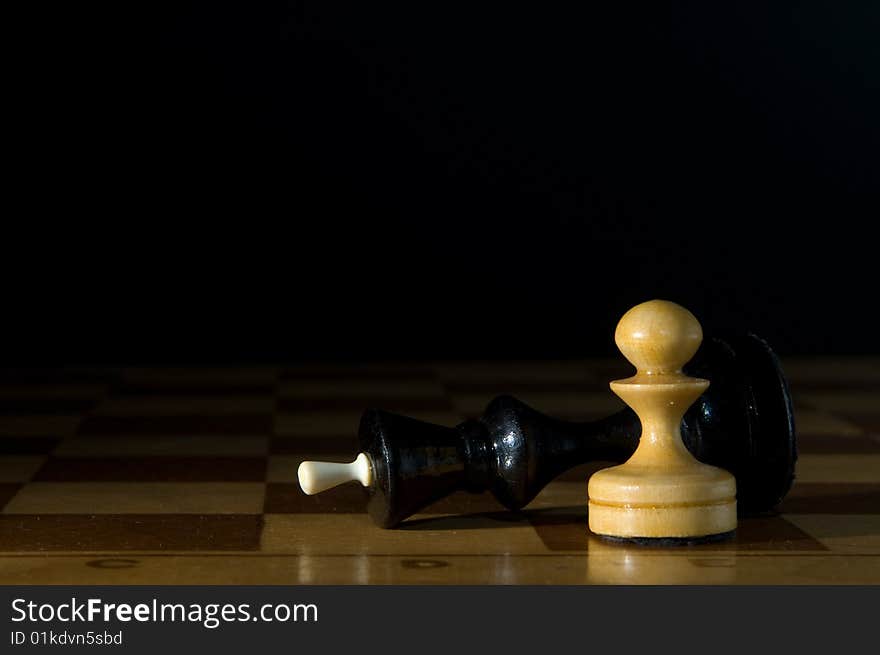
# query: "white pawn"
{"type": "Point", "coordinates": [315, 477]}
{"type": "Point", "coordinates": [662, 491]}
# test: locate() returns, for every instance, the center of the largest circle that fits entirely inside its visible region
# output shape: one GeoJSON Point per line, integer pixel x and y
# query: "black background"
{"type": "Point", "coordinates": [246, 181]}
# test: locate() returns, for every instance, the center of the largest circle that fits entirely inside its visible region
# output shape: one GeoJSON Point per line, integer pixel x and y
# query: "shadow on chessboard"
{"type": "Point", "coordinates": [565, 529]}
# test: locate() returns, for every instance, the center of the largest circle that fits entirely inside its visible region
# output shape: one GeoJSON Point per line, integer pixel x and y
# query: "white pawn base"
{"type": "Point", "coordinates": [696, 503]}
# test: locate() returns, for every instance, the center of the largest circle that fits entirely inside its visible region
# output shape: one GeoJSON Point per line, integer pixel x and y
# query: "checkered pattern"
{"type": "Point", "coordinates": [189, 476]}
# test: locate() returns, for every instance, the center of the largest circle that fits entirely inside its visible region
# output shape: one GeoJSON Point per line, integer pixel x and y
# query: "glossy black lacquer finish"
{"type": "Point", "coordinates": [742, 423]}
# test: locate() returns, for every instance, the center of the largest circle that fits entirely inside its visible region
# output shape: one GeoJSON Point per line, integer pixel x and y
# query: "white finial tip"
{"type": "Point", "coordinates": [306, 475]}
{"type": "Point", "coordinates": [315, 477]}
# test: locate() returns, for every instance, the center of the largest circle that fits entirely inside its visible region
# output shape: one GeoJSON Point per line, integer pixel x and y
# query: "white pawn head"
{"type": "Point", "coordinates": [658, 337]}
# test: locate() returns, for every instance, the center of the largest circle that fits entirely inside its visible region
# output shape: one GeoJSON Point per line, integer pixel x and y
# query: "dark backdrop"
{"type": "Point", "coordinates": [246, 181]}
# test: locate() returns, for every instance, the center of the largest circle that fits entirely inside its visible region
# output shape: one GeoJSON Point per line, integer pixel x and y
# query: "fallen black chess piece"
{"type": "Point", "coordinates": [743, 423]}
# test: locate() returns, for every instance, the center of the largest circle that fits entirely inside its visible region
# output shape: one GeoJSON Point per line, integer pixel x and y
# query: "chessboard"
{"type": "Point", "coordinates": [188, 476]}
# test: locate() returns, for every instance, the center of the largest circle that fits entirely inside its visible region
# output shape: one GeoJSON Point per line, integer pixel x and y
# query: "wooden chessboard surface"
{"type": "Point", "coordinates": [188, 476]}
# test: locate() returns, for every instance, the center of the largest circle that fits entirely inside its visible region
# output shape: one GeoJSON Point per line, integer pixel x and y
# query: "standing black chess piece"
{"type": "Point", "coordinates": [742, 423]}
